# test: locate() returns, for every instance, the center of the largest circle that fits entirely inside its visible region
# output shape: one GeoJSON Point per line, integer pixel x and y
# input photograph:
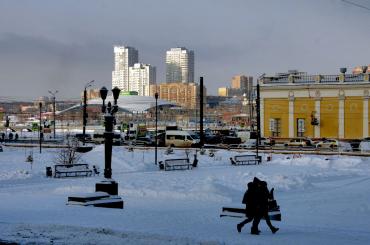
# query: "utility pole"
{"type": "Point", "coordinates": [53, 94]}
{"type": "Point", "coordinates": [40, 134]}
{"type": "Point", "coordinates": [156, 127]}
{"type": "Point", "coordinates": [201, 113]}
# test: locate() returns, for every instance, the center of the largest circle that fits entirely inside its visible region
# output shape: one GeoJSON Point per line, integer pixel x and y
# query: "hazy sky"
{"type": "Point", "coordinates": [61, 45]}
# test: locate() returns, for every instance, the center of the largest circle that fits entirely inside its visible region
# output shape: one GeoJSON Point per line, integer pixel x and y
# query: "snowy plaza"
{"type": "Point", "coordinates": [323, 200]}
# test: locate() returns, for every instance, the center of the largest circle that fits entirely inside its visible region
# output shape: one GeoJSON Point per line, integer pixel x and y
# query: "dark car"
{"type": "Point", "coordinates": [231, 140]}
{"type": "Point", "coordinates": [144, 141]}
{"type": "Point", "coordinates": [212, 139]}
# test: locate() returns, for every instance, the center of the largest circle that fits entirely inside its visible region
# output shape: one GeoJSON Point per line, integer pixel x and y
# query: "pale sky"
{"type": "Point", "coordinates": [62, 45]}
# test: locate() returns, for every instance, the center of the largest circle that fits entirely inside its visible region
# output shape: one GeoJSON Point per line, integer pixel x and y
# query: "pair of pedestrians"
{"type": "Point", "coordinates": [256, 199]}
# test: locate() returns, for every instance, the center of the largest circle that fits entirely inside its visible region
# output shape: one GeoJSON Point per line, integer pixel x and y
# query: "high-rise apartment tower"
{"type": "Point", "coordinates": [124, 57]}
{"type": "Point", "coordinates": [141, 77]}
{"type": "Point", "coordinates": [180, 65]}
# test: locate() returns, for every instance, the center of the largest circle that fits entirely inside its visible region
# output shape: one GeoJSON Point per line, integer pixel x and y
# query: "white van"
{"type": "Point", "coordinates": [179, 138]}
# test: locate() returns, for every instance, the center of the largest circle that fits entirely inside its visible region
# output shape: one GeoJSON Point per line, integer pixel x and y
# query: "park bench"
{"type": "Point", "coordinates": [175, 164]}
{"type": "Point", "coordinates": [72, 170]}
{"type": "Point", "coordinates": [246, 160]}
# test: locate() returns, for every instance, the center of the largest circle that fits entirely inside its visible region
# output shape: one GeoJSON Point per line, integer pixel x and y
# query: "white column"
{"type": "Point", "coordinates": [291, 117]}
{"type": "Point", "coordinates": [262, 117]}
{"type": "Point", "coordinates": [317, 127]}
{"type": "Point", "coordinates": [365, 116]}
{"type": "Point", "coordinates": [341, 118]}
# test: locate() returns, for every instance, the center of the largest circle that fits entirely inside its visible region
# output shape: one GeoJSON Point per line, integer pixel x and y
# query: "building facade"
{"type": "Point", "coordinates": [124, 57]}
{"type": "Point", "coordinates": [240, 85]}
{"type": "Point", "coordinates": [141, 77]}
{"type": "Point", "coordinates": [183, 94]}
{"type": "Point", "coordinates": [91, 94]}
{"type": "Point", "coordinates": [317, 106]}
{"type": "Point", "coordinates": [180, 65]}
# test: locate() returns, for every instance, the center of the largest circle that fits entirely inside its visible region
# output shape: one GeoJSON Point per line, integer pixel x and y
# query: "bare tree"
{"type": "Point", "coordinates": [68, 155]}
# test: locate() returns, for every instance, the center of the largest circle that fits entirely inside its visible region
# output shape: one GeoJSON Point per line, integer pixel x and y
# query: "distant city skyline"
{"type": "Point", "coordinates": [63, 45]}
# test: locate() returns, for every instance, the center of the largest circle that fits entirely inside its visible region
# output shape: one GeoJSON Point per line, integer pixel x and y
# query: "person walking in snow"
{"type": "Point", "coordinates": [249, 206]}
{"type": "Point", "coordinates": [262, 208]}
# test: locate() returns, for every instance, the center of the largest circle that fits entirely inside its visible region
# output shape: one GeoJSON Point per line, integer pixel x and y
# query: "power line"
{"type": "Point", "coordinates": [356, 4]}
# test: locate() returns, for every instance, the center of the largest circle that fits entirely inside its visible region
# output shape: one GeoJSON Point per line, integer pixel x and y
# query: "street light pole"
{"type": "Point", "coordinates": [258, 119]}
{"type": "Point", "coordinates": [156, 127]}
{"type": "Point", "coordinates": [107, 189]}
{"type": "Point", "coordinates": [84, 114]}
{"type": "Point", "coordinates": [53, 94]}
{"type": "Point", "coordinates": [40, 138]}
{"type": "Point", "coordinates": [109, 111]}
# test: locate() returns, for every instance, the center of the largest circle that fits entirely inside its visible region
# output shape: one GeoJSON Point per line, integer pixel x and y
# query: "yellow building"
{"type": "Point", "coordinates": [183, 94]}
{"type": "Point", "coordinates": [301, 105]}
{"type": "Point", "coordinates": [222, 91]}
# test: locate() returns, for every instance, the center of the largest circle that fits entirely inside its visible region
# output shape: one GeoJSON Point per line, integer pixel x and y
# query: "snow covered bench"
{"type": "Point", "coordinates": [246, 160]}
{"type": "Point", "coordinates": [175, 164]}
{"type": "Point", "coordinates": [72, 170]}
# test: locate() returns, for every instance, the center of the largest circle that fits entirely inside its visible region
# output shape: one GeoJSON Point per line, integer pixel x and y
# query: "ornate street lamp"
{"type": "Point", "coordinates": [109, 123]}
{"type": "Point", "coordinates": [108, 185]}
{"type": "Point", "coordinates": [107, 189]}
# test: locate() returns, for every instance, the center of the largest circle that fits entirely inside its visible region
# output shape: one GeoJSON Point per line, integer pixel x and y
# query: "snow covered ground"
{"type": "Point", "coordinates": [323, 200]}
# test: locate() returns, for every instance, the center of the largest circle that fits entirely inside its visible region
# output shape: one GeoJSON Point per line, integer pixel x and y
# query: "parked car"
{"type": "Point", "coordinates": [144, 141]}
{"type": "Point", "coordinates": [328, 143]}
{"type": "Point", "coordinates": [298, 142]}
{"type": "Point", "coordinates": [231, 140]}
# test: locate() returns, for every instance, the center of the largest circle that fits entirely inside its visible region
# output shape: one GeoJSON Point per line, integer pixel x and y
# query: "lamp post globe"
{"type": "Point", "coordinates": [116, 92]}
{"type": "Point", "coordinates": [103, 93]}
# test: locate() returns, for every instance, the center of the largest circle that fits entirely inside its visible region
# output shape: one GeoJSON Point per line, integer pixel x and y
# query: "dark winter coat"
{"type": "Point", "coordinates": [261, 198]}
{"type": "Point", "coordinates": [249, 200]}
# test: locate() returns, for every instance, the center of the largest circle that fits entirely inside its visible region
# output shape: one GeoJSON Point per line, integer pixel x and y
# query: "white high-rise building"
{"type": "Point", "coordinates": [124, 57]}
{"type": "Point", "coordinates": [141, 77]}
{"type": "Point", "coordinates": [180, 65]}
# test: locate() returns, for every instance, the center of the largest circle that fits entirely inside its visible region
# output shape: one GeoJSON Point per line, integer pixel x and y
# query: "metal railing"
{"type": "Point", "coordinates": [309, 79]}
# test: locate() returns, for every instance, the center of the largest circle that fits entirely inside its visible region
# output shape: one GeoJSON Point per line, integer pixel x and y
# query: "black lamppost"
{"type": "Point", "coordinates": [53, 94]}
{"type": "Point", "coordinates": [156, 127]}
{"type": "Point", "coordinates": [84, 114]}
{"type": "Point", "coordinates": [258, 119]}
{"type": "Point", "coordinates": [107, 189]}
{"type": "Point", "coordinates": [40, 134]}
{"type": "Point", "coordinates": [109, 111]}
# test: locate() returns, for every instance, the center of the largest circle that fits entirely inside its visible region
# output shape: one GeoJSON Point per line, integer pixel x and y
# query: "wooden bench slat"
{"type": "Point", "coordinates": [72, 170]}
{"type": "Point", "coordinates": [246, 160]}
{"type": "Point", "coordinates": [177, 164]}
